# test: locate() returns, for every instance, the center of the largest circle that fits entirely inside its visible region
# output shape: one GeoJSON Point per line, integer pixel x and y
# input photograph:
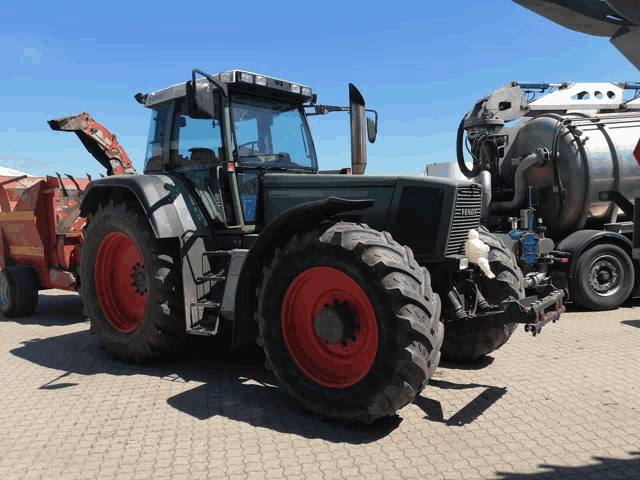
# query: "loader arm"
{"type": "Point", "coordinates": [99, 141]}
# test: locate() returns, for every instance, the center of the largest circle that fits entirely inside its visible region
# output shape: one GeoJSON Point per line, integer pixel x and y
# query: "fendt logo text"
{"type": "Point", "coordinates": [468, 212]}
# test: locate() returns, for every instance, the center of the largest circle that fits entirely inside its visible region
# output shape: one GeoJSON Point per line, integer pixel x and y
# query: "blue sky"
{"type": "Point", "coordinates": [421, 65]}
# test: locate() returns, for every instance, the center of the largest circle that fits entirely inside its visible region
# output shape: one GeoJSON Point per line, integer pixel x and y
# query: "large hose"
{"type": "Point", "coordinates": [536, 159]}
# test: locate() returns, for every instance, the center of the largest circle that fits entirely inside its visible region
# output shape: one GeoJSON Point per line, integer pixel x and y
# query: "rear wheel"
{"type": "Point", "coordinates": [604, 278]}
{"type": "Point", "coordinates": [463, 343]}
{"type": "Point", "coordinates": [349, 323]}
{"type": "Point", "coordinates": [131, 285]}
{"type": "Point", "coordinates": [18, 291]}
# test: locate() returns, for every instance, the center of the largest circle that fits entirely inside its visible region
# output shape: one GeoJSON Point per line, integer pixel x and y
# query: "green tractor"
{"type": "Point", "coordinates": [337, 275]}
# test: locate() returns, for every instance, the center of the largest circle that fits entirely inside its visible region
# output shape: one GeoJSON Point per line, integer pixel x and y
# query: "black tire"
{"type": "Point", "coordinates": [18, 291]}
{"type": "Point", "coordinates": [161, 328]}
{"type": "Point", "coordinates": [591, 289]}
{"type": "Point", "coordinates": [406, 319]}
{"type": "Point", "coordinates": [464, 344]}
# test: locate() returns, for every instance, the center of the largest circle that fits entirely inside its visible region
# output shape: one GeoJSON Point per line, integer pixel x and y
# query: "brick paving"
{"type": "Point", "coordinates": [563, 405]}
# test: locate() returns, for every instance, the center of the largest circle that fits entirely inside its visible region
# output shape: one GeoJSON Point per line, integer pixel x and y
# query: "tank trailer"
{"type": "Point", "coordinates": [559, 183]}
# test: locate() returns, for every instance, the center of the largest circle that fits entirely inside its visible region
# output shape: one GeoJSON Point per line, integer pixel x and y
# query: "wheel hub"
{"type": "Point", "coordinates": [336, 324]}
{"type": "Point", "coordinates": [604, 276]}
{"type": "Point", "coordinates": [139, 276]}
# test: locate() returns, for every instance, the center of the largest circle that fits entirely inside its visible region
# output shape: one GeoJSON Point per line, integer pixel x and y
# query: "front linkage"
{"type": "Point", "coordinates": [530, 311]}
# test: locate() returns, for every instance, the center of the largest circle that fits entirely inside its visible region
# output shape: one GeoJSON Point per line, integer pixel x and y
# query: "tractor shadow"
{"type": "Point", "coordinates": [605, 468]}
{"type": "Point", "coordinates": [467, 414]}
{"type": "Point", "coordinates": [232, 383]}
{"type": "Point", "coordinates": [54, 311]}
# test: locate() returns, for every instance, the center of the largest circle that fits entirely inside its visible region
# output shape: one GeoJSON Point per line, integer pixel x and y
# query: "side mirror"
{"type": "Point", "coordinates": [372, 129]}
{"type": "Point", "coordinates": [201, 101]}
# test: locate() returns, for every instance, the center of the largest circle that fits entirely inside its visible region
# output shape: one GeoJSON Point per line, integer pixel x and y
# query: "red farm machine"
{"type": "Point", "coordinates": [40, 223]}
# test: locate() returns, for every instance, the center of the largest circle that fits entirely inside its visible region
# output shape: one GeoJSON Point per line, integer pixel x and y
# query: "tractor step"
{"type": "Point", "coordinates": [209, 323]}
{"type": "Point", "coordinates": [210, 278]}
{"type": "Point", "coordinates": [207, 287]}
{"type": "Point", "coordinates": [206, 304]}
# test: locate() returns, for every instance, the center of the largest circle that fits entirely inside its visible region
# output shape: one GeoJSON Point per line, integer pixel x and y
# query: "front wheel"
{"type": "Point", "coordinates": [604, 278]}
{"type": "Point", "coordinates": [349, 322]}
{"type": "Point", "coordinates": [463, 343]}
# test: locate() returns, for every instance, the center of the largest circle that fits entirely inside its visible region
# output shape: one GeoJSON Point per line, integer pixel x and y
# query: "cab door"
{"type": "Point", "coordinates": [196, 152]}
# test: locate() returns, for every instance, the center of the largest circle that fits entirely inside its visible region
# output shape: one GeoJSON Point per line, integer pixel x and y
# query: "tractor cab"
{"type": "Point", "coordinates": [224, 132]}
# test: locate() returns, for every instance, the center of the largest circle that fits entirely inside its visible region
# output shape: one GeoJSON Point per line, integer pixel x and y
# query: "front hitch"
{"type": "Point", "coordinates": [531, 311]}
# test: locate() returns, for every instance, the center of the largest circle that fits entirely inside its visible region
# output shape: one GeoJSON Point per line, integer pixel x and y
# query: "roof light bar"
{"type": "Point", "coordinates": [230, 77]}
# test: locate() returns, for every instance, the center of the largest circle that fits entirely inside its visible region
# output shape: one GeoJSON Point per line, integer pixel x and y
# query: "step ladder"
{"type": "Point", "coordinates": [206, 313]}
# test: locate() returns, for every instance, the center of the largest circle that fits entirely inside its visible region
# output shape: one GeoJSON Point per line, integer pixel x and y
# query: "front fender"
{"type": "Point", "coordinates": [166, 200]}
{"type": "Point", "coordinates": [276, 233]}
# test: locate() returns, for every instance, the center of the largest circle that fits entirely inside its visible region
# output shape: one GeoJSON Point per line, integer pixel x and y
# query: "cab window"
{"type": "Point", "coordinates": [153, 157]}
{"type": "Point", "coordinates": [194, 141]}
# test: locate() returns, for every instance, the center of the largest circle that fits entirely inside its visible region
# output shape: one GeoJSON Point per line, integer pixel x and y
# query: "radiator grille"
{"type": "Point", "coordinates": [466, 217]}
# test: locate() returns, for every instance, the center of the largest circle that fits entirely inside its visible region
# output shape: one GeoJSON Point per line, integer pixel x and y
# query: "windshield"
{"type": "Point", "coordinates": [271, 134]}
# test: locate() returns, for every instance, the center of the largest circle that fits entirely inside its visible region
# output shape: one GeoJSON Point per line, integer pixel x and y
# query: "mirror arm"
{"type": "Point", "coordinates": [324, 109]}
{"type": "Point", "coordinates": [374, 112]}
{"type": "Point", "coordinates": [221, 86]}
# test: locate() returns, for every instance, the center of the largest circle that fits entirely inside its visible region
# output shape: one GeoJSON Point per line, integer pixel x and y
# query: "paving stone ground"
{"type": "Point", "coordinates": [563, 405]}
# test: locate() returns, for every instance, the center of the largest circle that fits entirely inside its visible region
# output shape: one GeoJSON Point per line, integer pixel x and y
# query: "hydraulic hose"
{"type": "Point", "coordinates": [477, 167]}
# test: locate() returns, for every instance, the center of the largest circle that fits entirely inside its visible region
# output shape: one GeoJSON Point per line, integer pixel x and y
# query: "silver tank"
{"type": "Point", "coordinates": [600, 159]}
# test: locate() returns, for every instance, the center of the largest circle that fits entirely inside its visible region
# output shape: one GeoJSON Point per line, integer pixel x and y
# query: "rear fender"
{"type": "Point", "coordinates": [167, 202]}
{"type": "Point", "coordinates": [276, 233]}
{"type": "Point", "coordinates": [578, 242]}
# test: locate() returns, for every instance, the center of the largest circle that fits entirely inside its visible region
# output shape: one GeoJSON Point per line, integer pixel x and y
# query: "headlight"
{"type": "Point", "coordinates": [225, 77]}
{"type": "Point", "coordinates": [260, 80]}
{"type": "Point", "coordinates": [306, 91]}
{"type": "Point", "coordinates": [246, 77]}
{"type": "Point", "coordinates": [295, 88]}
{"type": "Point", "coordinates": [464, 263]}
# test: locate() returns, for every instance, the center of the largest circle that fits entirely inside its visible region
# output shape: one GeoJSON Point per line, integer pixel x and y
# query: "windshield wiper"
{"type": "Point", "coordinates": [261, 155]}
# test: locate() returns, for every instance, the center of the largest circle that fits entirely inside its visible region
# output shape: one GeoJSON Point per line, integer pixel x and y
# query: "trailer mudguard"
{"type": "Point", "coordinates": [579, 241]}
{"type": "Point", "coordinates": [166, 199]}
{"type": "Point", "coordinates": [277, 232]}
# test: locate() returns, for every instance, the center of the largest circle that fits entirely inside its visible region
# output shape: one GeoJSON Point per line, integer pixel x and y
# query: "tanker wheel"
{"type": "Point", "coordinates": [604, 278]}
{"type": "Point", "coordinates": [349, 323]}
{"type": "Point", "coordinates": [464, 344]}
{"type": "Point", "coordinates": [18, 291]}
{"type": "Point", "coordinates": [132, 286]}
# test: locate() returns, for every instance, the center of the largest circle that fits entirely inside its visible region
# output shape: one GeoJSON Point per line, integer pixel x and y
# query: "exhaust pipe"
{"type": "Point", "coordinates": [358, 139]}
{"type": "Point", "coordinates": [484, 179]}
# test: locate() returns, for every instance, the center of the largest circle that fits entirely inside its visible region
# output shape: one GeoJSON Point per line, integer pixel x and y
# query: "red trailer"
{"type": "Point", "coordinates": [40, 226]}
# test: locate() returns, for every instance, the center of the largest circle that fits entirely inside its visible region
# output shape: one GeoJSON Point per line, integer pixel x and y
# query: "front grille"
{"type": "Point", "coordinates": [466, 217]}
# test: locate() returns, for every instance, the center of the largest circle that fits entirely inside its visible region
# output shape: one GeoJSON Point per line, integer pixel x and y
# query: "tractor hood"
{"type": "Point", "coordinates": [415, 209]}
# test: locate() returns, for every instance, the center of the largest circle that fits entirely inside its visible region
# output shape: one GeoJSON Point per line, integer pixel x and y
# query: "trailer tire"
{"type": "Point", "coordinates": [386, 345]}
{"type": "Point", "coordinates": [132, 285]}
{"type": "Point", "coordinates": [590, 287]}
{"type": "Point", "coordinates": [18, 291]}
{"type": "Point", "coordinates": [464, 344]}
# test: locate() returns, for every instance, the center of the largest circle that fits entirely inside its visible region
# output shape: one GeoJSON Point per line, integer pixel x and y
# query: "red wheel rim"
{"type": "Point", "coordinates": [117, 261]}
{"type": "Point", "coordinates": [331, 365]}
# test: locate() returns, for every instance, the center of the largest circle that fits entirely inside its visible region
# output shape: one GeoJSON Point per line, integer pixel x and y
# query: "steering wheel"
{"type": "Point", "coordinates": [254, 150]}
